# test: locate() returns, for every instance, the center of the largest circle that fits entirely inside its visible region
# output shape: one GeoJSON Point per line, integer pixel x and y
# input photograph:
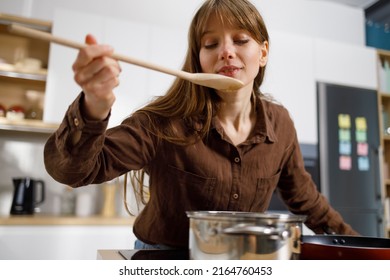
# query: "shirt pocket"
{"type": "Point", "coordinates": [193, 191]}
{"type": "Point", "coordinates": [264, 190]}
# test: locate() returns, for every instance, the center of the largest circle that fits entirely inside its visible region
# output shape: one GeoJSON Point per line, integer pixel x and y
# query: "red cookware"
{"type": "Point", "coordinates": [338, 247]}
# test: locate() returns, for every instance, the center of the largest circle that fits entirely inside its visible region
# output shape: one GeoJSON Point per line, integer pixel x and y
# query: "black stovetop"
{"type": "Point", "coordinates": [155, 254]}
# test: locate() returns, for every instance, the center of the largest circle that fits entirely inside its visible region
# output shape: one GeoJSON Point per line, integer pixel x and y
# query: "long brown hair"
{"type": "Point", "coordinates": [192, 103]}
{"type": "Point", "coordinates": [195, 103]}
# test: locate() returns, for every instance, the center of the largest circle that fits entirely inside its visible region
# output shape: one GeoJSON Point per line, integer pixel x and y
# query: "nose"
{"type": "Point", "coordinates": [227, 51]}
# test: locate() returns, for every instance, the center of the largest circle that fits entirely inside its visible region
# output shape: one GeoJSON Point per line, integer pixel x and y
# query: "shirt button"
{"type": "Point", "coordinates": [235, 196]}
{"type": "Point", "coordinates": [237, 159]}
{"type": "Point", "coordinates": [76, 121]}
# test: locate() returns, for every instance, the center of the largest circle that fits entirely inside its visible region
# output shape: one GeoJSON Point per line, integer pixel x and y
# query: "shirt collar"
{"type": "Point", "coordinates": [263, 128]}
{"type": "Point", "coordinates": [264, 125]}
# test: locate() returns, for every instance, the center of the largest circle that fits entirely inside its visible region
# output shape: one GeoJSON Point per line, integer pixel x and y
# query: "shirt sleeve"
{"type": "Point", "coordinates": [302, 197]}
{"type": "Point", "coordinates": [83, 152]}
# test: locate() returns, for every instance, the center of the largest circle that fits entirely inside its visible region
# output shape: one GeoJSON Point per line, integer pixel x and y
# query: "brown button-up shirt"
{"type": "Point", "coordinates": [211, 174]}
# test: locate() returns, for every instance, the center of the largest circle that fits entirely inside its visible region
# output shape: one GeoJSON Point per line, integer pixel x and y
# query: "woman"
{"type": "Point", "coordinates": [203, 149]}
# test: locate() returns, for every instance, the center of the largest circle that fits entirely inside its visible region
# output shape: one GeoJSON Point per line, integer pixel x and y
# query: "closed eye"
{"type": "Point", "coordinates": [210, 46]}
{"type": "Point", "coordinates": [241, 42]}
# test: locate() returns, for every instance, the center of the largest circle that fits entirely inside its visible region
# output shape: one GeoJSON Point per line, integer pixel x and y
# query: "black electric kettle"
{"type": "Point", "coordinates": [25, 195]}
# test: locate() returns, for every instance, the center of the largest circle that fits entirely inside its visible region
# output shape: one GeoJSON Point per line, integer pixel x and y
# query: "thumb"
{"type": "Point", "coordinates": [90, 40]}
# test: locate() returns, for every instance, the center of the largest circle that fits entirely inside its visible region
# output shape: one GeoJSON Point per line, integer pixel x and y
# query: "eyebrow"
{"type": "Point", "coordinates": [212, 31]}
{"type": "Point", "coordinates": [205, 33]}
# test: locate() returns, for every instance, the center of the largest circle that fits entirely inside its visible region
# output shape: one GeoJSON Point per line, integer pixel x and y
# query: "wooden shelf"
{"type": "Point", "coordinates": [30, 126]}
{"type": "Point", "coordinates": [39, 76]}
{"type": "Point", "coordinates": [44, 220]}
{"type": "Point", "coordinates": [31, 22]}
{"type": "Point", "coordinates": [383, 52]}
{"type": "Point", "coordinates": [387, 183]}
{"type": "Point", "coordinates": [16, 79]}
{"type": "Point", "coordinates": [384, 95]}
{"type": "Point", "coordinates": [384, 104]}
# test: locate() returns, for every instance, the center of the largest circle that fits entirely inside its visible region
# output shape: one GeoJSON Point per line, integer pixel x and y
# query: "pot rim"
{"type": "Point", "coordinates": [245, 216]}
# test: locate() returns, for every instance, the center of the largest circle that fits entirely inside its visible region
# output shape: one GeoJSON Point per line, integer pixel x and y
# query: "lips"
{"type": "Point", "coordinates": [229, 70]}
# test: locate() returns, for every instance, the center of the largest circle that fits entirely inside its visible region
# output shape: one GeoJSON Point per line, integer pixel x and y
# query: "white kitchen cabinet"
{"type": "Point", "coordinates": [62, 242]}
{"type": "Point", "coordinates": [147, 42]}
{"type": "Point", "coordinates": [290, 79]}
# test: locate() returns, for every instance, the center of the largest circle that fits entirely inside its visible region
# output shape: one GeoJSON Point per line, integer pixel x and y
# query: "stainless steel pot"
{"type": "Point", "coordinates": [244, 235]}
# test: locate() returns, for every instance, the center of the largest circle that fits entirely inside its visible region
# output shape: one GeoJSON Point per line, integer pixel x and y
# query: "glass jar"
{"type": "Point", "coordinates": [35, 105]}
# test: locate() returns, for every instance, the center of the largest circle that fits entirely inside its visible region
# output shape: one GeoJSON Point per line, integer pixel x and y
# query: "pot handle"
{"type": "Point", "coordinates": [256, 230]}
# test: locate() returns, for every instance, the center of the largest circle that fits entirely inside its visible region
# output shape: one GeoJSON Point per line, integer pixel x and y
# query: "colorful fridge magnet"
{"type": "Point", "coordinates": [363, 164]}
{"type": "Point", "coordinates": [361, 124]}
{"type": "Point", "coordinates": [344, 135]}
{"type": "Point", "coordinates": [345, 163]}
{"type": "Point", "coordinates": [362, 149]}
{"type": "Point", "coordinates": [345, 148]}
{"type": "Point", "coordinates": [344, 121]}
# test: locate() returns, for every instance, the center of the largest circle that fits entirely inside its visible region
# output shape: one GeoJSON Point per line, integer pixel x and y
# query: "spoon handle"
{"type": "Point", "coordinates": [219, 82]}
{"type": "Point", "coordinates": [45, 36]}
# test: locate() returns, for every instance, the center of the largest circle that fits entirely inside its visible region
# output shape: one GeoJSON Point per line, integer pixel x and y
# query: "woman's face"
{"type": "Point", "coordinates": [232, 52]}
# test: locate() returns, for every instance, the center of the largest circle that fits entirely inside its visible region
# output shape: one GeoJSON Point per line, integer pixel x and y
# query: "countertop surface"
{"type": "Point", "coordinates": [35, 220]}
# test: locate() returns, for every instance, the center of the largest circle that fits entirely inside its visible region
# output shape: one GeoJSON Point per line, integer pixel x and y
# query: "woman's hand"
{"type": "Point", "coordinates": [97, 74]}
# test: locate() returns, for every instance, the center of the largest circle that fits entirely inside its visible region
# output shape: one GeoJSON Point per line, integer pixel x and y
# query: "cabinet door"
{"type": "Point", "coordinates": [62, 242]}
{"type": "Point", "coordinates": [168, 47]}
{"type": "Point", "coordinates": [61, 89]}
{"type": "Point", "coordinates": [290, 79]}
{"type": "Point", "coordinates": [161, 45]}
{"type": "Point", "coordinates": [130, 39]}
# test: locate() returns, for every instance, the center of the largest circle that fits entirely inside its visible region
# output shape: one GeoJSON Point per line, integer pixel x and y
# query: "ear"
{"type": "Point", "coordinates": [263, 53]}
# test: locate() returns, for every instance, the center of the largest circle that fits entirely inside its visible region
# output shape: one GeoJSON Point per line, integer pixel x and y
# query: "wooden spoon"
{"type": "Point", "coordinates": [215, 81]}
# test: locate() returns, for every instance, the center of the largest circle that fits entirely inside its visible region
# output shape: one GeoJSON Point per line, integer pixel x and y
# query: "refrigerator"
{"type": "Point", "coordinates": [349, 155]}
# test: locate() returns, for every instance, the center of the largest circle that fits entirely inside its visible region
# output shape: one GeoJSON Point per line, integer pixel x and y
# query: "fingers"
{"type": "Point", "coordinates": [103, 86]}
{"type": "Point", "coordinates": [87, 54]}
{"type": "Point", "coordinates": [102, 68]}
{"type": "Point", "coordinates": [104, 78]}
{"type": "Point", "coordinates": [97, 73]}
{"type": "Point", "coordinates": [94, 66]}
{"type": "Point", "coordinates": [90, 40]}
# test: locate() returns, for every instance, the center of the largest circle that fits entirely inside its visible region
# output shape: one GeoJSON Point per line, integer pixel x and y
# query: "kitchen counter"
{"type": "Point", "coordinates": [109, 255]}
{"type": "Point", "coordinates": [40, 220]}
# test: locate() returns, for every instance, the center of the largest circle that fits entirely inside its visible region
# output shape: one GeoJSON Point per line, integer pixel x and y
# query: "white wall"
{"type": "Point", "coordinates": [156, 31]}
{"type": "Point", "coordinates": [311, 18]}
{"type": "Point", "coordinates": [318, 19]}
{"type": "Point", "coordinates": [347, 64]}
{"type": "Point", "coordinates": [310, 40]}
{"type": "Point", "coordinates": [292, 74]}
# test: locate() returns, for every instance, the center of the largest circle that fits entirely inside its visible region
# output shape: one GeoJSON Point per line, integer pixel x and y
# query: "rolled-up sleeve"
{"type": "Point", "coordinates": [83, 152]}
